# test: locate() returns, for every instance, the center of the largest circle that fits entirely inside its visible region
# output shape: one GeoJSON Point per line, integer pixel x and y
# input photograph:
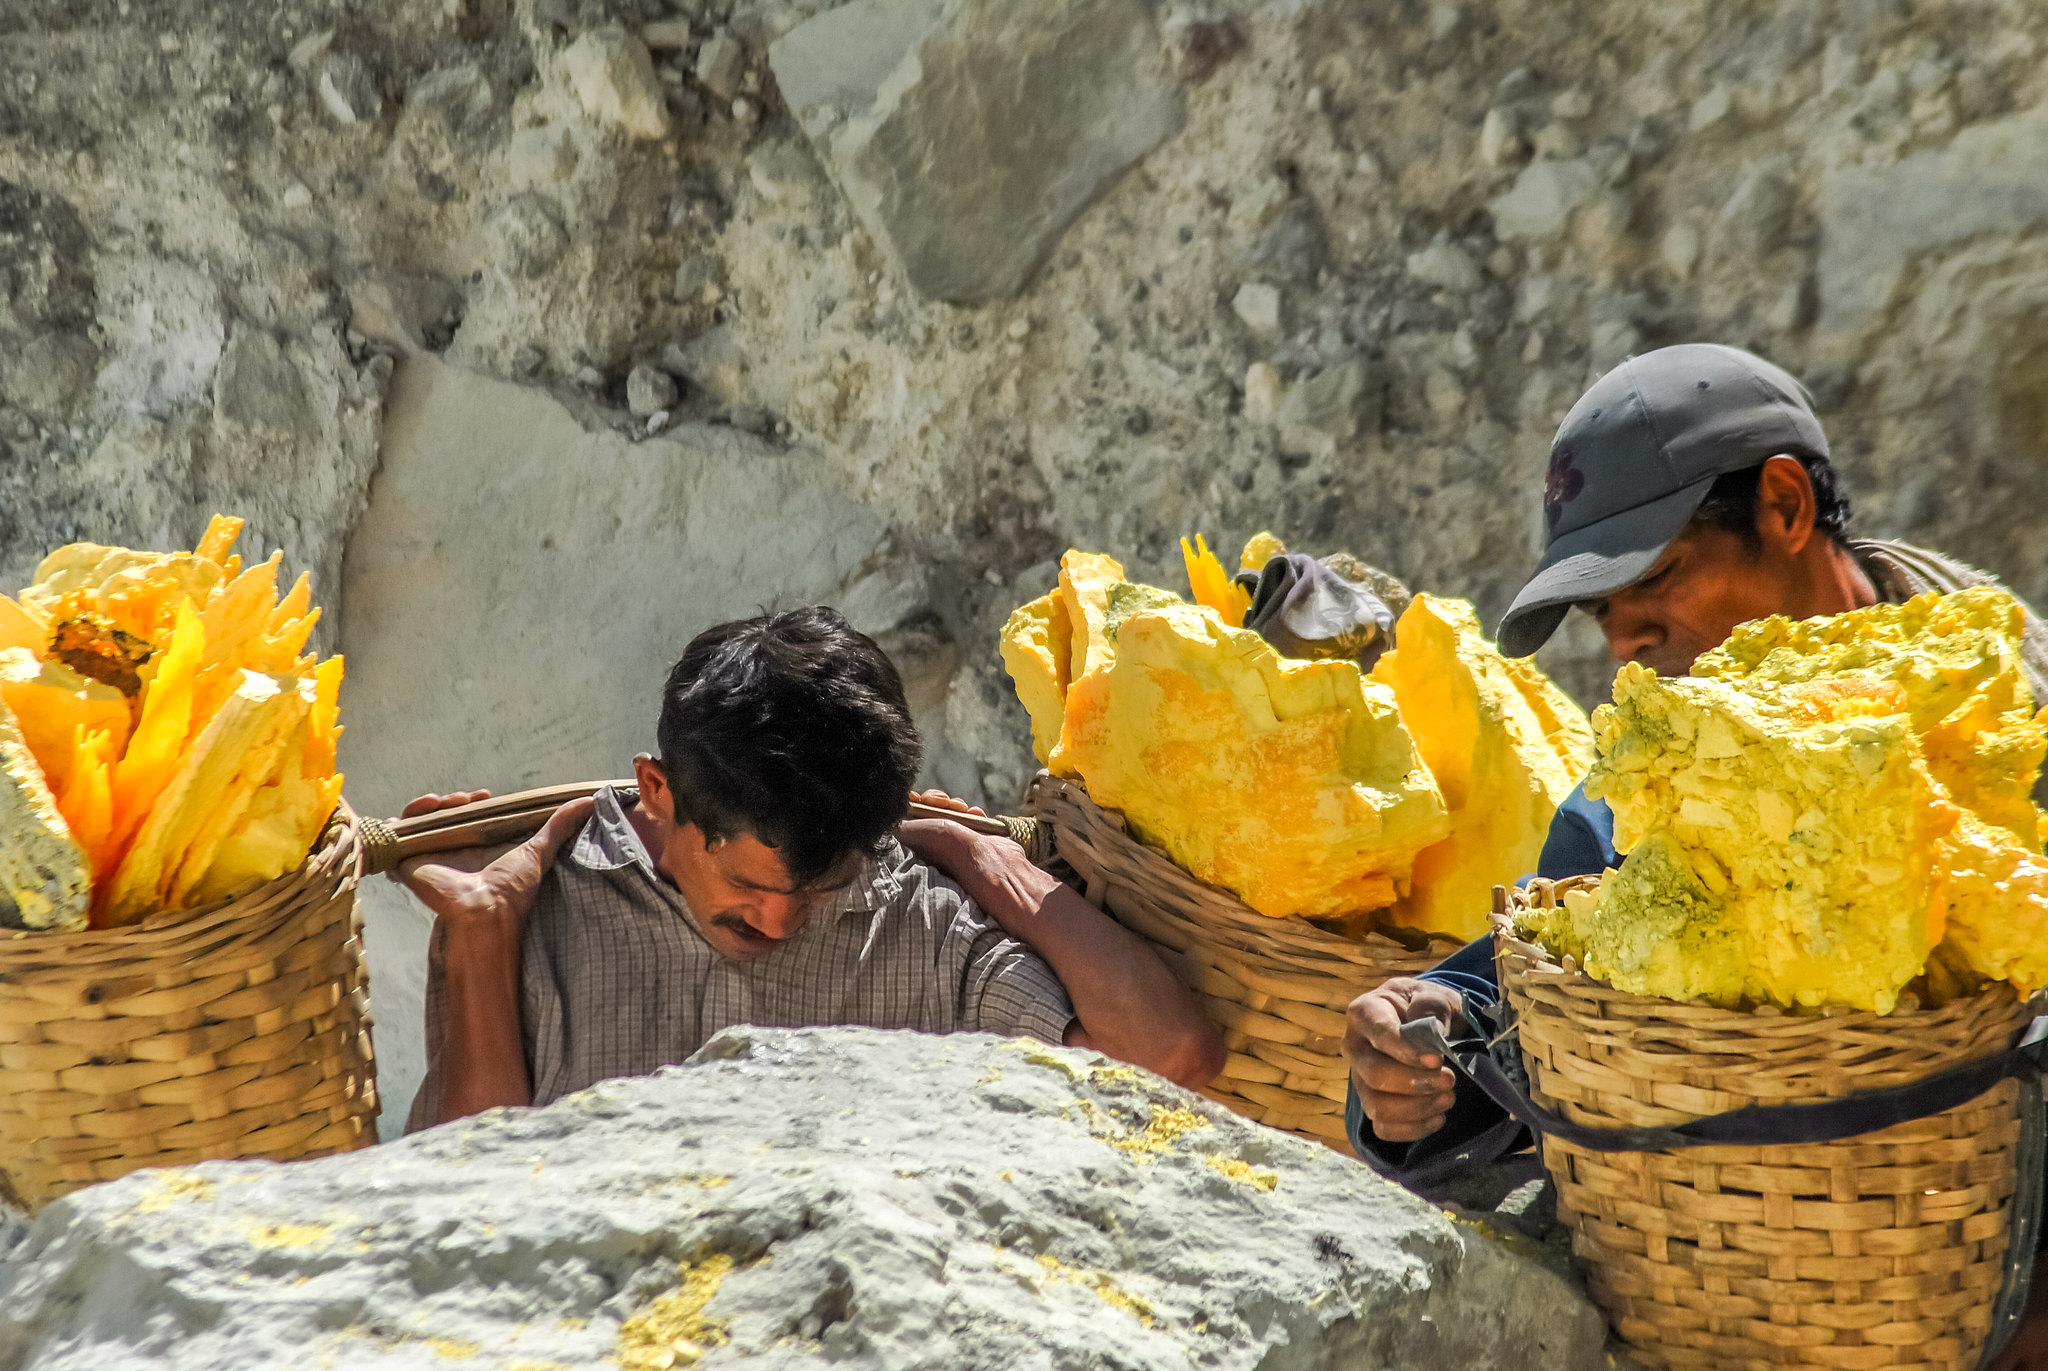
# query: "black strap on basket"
{"type": "Point", "coordinates": [1822, 1121]}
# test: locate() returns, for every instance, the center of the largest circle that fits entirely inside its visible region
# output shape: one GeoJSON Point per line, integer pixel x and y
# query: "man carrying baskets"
{"type": "Point", "coordinates": [756, 876]}
{"type": "Point", "coordinates": [1688, 491]}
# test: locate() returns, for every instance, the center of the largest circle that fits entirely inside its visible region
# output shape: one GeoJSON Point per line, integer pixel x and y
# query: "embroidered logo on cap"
{"type": "Point", "coordinates": [1561, 485]}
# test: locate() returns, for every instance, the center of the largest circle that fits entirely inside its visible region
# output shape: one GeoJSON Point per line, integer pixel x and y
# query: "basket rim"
{"type": "Point", "coordinates": [1296, 927]}
{"type": "Point", "coordinates": [336, 855]}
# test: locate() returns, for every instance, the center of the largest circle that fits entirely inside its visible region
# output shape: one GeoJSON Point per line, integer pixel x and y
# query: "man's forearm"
{"type": "Point", "coordinates": [483, 1055]}
{"type": "Point", "coordinates": [1130, 1005]}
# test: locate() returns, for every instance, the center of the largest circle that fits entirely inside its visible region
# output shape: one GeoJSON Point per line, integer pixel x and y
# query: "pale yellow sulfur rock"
{"type": "Point", "coordinates": [1957, 660]}
{"type": "Point", "coordinates": [1293, 783]}
{"type": "Point", "coordinates": [208, 795]}
{"type": "Point", "coordinates": [1505, 746]}
{"type": "Point", "coordinates": [1997, 907]}
{"type": "Point", "coordinates": [1808, 815]}
{"type": "Point", "coordinates": [1037, 645]}
{"type": "Point", "coordinates": [45, 878]}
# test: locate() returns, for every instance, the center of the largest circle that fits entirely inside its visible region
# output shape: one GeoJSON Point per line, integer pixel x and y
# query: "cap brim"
{"type": "Point", "coordinates": [1595, 561]}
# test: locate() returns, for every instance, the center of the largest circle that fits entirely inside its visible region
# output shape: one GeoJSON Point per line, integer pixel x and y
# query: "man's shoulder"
{"type": "Point", "coordinates": [896, 878]}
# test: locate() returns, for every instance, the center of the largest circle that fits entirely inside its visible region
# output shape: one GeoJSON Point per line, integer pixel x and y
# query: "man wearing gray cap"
{"type": "Point", "coordinates": [1688, 491]}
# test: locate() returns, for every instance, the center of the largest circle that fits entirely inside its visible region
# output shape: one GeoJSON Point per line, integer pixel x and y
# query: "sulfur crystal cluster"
{"type": "Point", "coordinates": [165, 739]}
{"type": "Point", "coordinates": [1307, 787]}
{"type": "Point", "coordinates": [1819, 810]}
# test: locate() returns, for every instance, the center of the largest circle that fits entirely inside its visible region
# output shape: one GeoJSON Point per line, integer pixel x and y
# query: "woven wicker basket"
{"type": "Point", "coordinates": [240, 1030]}
{"type": "Point", "coordinates": [1277, 987]}
{"type": "Point", "coordinates": [1882, 1251]}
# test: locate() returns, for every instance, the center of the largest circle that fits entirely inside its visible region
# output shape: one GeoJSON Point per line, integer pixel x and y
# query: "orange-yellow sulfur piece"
{"type": "Point", "coordinates": [51, 703]}
{"type": "Point", "coordinates": [1293, 783]}
{"type": "Point", "coordinates": [1086, 579]}
{"type": "Point", "coordinates": [1211, 584]}
{"type": "Point", "coordinates": [195, 755]}
{"type": "Point", "coordinates": [1505, 746]}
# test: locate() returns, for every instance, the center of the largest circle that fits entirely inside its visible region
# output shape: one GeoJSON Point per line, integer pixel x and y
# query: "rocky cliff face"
{"type": "Point", "coordinates": [833, 1197]}
{"type": "Point", "coordinates": [985, 286]}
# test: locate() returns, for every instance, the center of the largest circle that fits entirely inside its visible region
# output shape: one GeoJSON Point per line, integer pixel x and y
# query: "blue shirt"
{"type": "Point", "coordinates": [1580, 843]}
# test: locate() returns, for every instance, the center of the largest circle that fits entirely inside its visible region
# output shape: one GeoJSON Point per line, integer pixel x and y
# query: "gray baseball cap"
{"type": "Point", "coordinates": [1633, 460]}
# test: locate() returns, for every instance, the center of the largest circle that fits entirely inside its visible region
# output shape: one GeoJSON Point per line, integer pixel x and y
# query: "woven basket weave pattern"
{"type": "Point", "coordinates": [238, 1031]}
{"type": "Point", "coordinates": [1277, 987]}
{"type": "Point", "coordinates": [1881, 1251]}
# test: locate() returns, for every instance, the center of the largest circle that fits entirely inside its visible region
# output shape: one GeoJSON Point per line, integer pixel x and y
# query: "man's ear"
{"type": "Point", "coordinates": [1784, 505]}
{"type": "Point", "coordinates": [653, 786]}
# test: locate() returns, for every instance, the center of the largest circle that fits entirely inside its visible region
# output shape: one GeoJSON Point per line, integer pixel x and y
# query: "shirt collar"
{"type": "Point", "coordinates": [609, 842]}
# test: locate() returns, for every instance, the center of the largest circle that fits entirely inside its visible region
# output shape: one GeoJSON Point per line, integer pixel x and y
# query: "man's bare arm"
{"type": "Point", "coordinates": [1129, 1004]}
{"type": "Point", "coordinates": [480, 900]}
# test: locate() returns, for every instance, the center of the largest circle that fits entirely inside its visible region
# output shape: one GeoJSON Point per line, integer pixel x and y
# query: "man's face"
{"type": "Point", "coordinates": [741, 895]}
{"type": "Point", "coordinates": [1706, 583]}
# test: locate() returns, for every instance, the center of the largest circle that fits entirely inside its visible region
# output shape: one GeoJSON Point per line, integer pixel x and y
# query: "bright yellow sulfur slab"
{"type": "Point", "coordinates": [1292, 783]}
{"type": "Point", "coordinates": [1506, 748]}
{"type": "Point", "coordinates": [19, 628]}
{"type": "Point", "coordinates": [51, 703]}
{"type": "Point", "coordinates": [1957, 660]}
{"type": "Point", "coordinates": [45, 878]}
{"type": "Point", "coordinates": [208, 795]}
{"type": "Point", "coordinates": [1807, 817]}
{"type": "Point", "coordinates": [1037, 646]}
{"type": "Point", "coordinates": [1211, 585]}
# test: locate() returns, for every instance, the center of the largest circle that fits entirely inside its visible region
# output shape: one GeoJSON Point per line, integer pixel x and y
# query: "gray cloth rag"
{"type": "Point", "coordinates": [1304, 609]}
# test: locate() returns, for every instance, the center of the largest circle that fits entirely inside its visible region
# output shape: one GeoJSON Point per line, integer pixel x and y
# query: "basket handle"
{"type": "Point", "coordinates": [516, 817]}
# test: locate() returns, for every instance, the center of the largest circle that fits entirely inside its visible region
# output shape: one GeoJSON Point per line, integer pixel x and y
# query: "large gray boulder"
{"type": "Point", "coordinates": [793, 1199]}
{"type": "Point", "coordinates": [969, 133]}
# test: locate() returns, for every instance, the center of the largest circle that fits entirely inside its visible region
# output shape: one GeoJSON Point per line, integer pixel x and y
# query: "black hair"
{"type": "Point", "coordinates": [791, 727]}
{"type": "Point", "coordinates": [1731, 501]}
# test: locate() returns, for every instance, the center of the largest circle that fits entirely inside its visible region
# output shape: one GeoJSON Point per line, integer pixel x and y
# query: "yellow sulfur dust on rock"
{"type": "Point", "coordinates": [1506, 748]}
{"type": "Point", "coordinates": [1823, 811]}
{"type": "Point", "coordinates": [1293, 783]}
{"type": "Point", "coordinates": [674, 1330]}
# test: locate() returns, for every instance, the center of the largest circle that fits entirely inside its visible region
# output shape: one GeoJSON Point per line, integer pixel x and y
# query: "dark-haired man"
{"type": "Point", "coordinates": [1689, 491]}
{"type": "Point", "coordinates": [755, 876]}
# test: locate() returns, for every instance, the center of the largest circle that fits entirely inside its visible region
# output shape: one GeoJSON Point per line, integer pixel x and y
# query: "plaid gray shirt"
{"type": "Point", "coordinates": [615, 979]}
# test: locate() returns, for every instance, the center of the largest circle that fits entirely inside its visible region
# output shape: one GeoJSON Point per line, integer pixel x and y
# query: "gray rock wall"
{"type": "Point", "coordinates": [839, 1197]}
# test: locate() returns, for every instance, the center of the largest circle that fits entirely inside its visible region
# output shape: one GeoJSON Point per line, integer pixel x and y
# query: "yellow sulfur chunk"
{"type": "Point", "coordinates": [87, 799]}
{"type": "Point", "coordinates": [51, 703]}
{"type": "Point", "coordinates": [1654, 928]}
{"type": "Point", "coordinates": [162, 726]}
{"type": "Point", "coordinates": [1957, 660]}
{"type": "Point", "coordinates": [1261, 548]}
{"type": "Point", "coordinates": [217, 776]}
{"type": "Point", "coordinates": [1501, 774]}
{"type": "Point", "coordinates": [1086, 579]}
{"type": "Point", "coordinates": [288, 810]}
{"type": "Point", "coordinates": [19, 628]}
{"type": "Point", "coordinates": [1037, 646]}
{"type": "Point", "coordinates": [220, 535]}
{"type": "Point", "coordinates": [45, 881]}
{"type": "Point", "coordinates": [1808, 815]}
{"type": "Point", "coordinates": [137, 592]}
{"type": "Point", "coordinates": [1290, 782]}
{"type": "Point", "coordinates": [1997, 906]}
{"type": "Point", "coordinates": [1211, 584]}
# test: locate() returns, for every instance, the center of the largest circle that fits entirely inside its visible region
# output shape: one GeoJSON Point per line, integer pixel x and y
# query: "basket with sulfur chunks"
{"type": "Point", "coordinates": [165, 740]}
{"type": "Point", "coordinates": [1305, 786]}
{"type": "Point", "coordinates": [1822, 812]}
